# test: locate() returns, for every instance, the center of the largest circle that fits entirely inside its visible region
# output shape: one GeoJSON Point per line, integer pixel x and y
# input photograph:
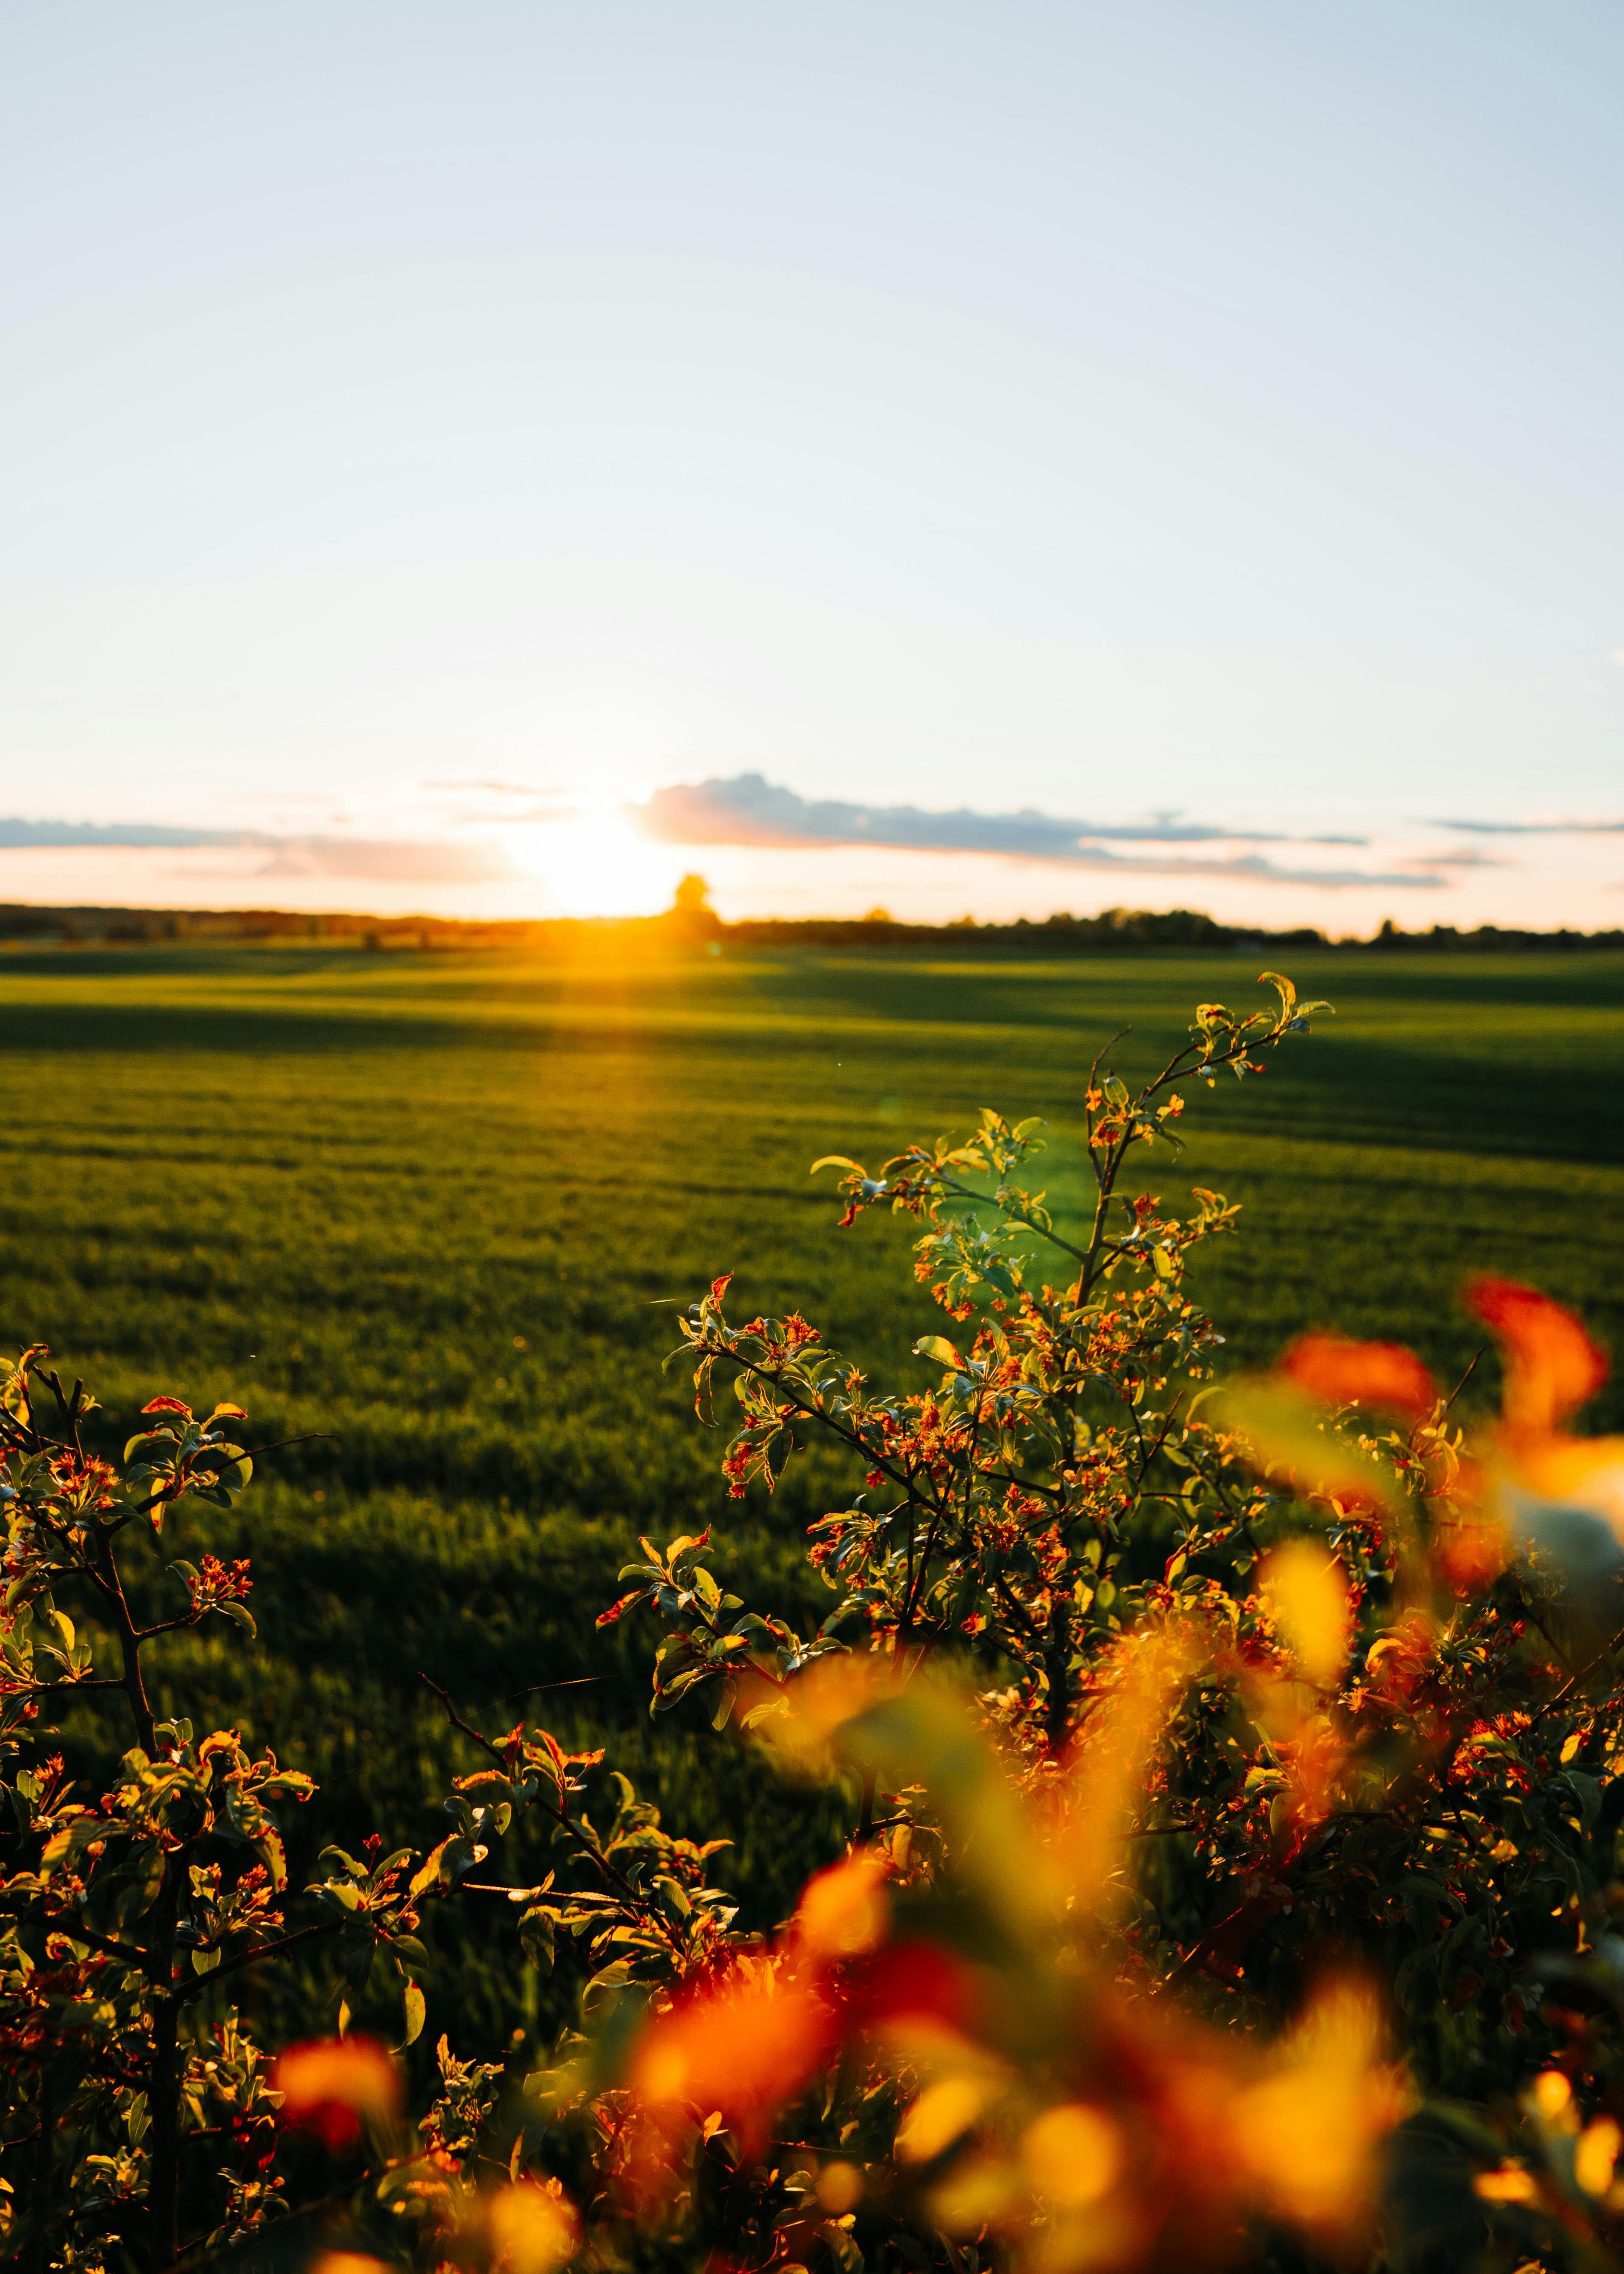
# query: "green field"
{"type": "Point", "coordinates": [432, 1205]}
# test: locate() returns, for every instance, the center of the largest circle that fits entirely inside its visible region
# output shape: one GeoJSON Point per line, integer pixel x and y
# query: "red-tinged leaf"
{"type": "Point", "coordinates": [1344, 1373]}
{"type": "Point", "coordinates": [225, 1413]}
{"type": "Point", "coordinates": [329, 2086]}
{"type": "Point", "coordinates": [718, 1288]}
{"type": "Point", "coordinates": [1552, 1364]}
{"type": "Point", "coordinates": [168, 1405]}
{"type": "Point", "coordinates": [428, 1873]}
{"type": "Point", "coordinates": [618, 1610]}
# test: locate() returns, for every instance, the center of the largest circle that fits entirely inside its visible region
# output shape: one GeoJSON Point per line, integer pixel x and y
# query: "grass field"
{"type": "Point", "coordinates": [432, 1205]}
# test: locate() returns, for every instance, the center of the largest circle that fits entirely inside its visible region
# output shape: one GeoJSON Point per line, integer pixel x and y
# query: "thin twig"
{"type": "Point", "coordinates": [249, 1957]}
{"type": "Point", "coordinates": [129, 1952]}
{"type": "Point", "coordinates": [616, 1878]}
{"type": "Point", "coordinates": [1464, 1379]}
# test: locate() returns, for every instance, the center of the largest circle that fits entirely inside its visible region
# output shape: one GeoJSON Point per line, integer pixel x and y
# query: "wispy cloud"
{"type": "Point", "coordinates": [1534, 828]}
{"type": "Point", "coordinates": [462, 785]}
{"type": "Point", "coordinates": [486, 801]}
{"type": "Point", "coordinates": [397, 859]}
{"type": "Point", "coordinates": [748, 809]}
{"type": "Point", "coordinates": [60, 834]}
{"type": "Point", "coordinates": [388, 860]}
{"type": "Point", "coordinates": [1463, 856]}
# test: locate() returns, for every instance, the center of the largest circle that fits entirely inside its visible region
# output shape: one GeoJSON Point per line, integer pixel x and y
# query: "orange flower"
{"type": "Point", "coordinates": [328, 2085]}
{"type": "Point", "coordinates": [1345, 1373]}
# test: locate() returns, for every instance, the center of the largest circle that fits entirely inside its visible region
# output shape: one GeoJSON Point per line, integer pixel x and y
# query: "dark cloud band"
{"type": "Point", "coordinates": [748, 809]}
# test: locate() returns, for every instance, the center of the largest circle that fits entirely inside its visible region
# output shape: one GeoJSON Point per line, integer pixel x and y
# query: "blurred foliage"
{"type": "Point", "coordinates": [1214, 1788]}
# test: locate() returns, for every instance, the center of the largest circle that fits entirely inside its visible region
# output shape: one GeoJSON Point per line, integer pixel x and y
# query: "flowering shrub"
{"type": "Point", "coordinates": [1234, 1779]}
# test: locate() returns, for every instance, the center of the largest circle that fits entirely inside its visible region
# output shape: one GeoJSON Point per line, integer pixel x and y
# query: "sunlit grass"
{"type": "Point", "coordinates": [436, 1205]}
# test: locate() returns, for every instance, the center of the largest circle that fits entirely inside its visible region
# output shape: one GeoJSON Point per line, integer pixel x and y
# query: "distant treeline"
{"type": "Point", "coordinates": [696, 925]}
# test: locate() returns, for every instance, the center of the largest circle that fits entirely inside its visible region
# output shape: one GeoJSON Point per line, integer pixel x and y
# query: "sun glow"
{"type": "Point", "coordinates": [593, 864]}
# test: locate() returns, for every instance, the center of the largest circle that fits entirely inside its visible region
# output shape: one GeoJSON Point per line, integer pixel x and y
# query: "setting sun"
{"type": "Point", "coordinates": [594, 865]}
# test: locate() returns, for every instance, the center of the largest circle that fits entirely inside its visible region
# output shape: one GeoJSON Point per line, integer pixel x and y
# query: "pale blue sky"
{"type": "Point", "coordinates": [1197, 406]}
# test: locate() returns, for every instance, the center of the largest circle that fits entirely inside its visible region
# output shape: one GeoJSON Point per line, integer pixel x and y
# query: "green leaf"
{"type": "Point", "coordinates": [357, 1949]}
{"type": "Point", "coordinates": [118, 1899]}
{"type": "Point", "coordinates": [1588, 1794]}
{"type": "Point", "coordinates": [239, 1616]}
{"type": "Point", "coordinates": [536, 1930]}
{"type": "Point", "coordinates": [417, 2012]}
{"type": "Point", "coordinates": [675, 1896]}
{"type": "Point", "coordinates": [938, 1347]}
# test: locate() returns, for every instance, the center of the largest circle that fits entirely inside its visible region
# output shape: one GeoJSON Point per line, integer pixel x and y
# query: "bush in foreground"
{"type": "Point", "coordinates": [1232, 1778]}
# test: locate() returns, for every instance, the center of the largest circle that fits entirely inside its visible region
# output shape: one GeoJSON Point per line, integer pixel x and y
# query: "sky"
{"type": "Point", "coordinates": [446, 446]}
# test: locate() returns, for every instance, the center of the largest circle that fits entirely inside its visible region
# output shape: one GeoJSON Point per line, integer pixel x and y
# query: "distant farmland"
{"type": "Point", "coordinates": [433, 1204]}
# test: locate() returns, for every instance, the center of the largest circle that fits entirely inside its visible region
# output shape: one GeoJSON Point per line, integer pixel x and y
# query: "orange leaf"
{"type": "Point", "coordinates": [743, 2050]}
{"type": "Point", "coordinates": [844, 1911]}
{"type": "Point", "coordinates": [1307, 1590]}
{"type": "Point", "coordinates": [1552, 1364]}
{"type": "Point", "coordinates": [328, 2084]}
{"type": "Point", "coordinates": [1345, 1373]}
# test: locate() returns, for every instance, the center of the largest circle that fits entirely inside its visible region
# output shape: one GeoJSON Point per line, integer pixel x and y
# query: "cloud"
{"type": "Point", "coordinates": [401, 860]}
{"type": "Point", "coordinates": [1464, 856]}
{"type": "Point", "coordinates": [59, 834]}
{"type": "Point", "coordinates": [545, 801]}
{"type": "Point", "coordinates": [387, 860]}
{"type": "Point", "coordinates": [750, 810]}
{"type": "Point", "coordinates": [1534, 828]}
{"type": "Point", "coordinates": [499, 788]}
